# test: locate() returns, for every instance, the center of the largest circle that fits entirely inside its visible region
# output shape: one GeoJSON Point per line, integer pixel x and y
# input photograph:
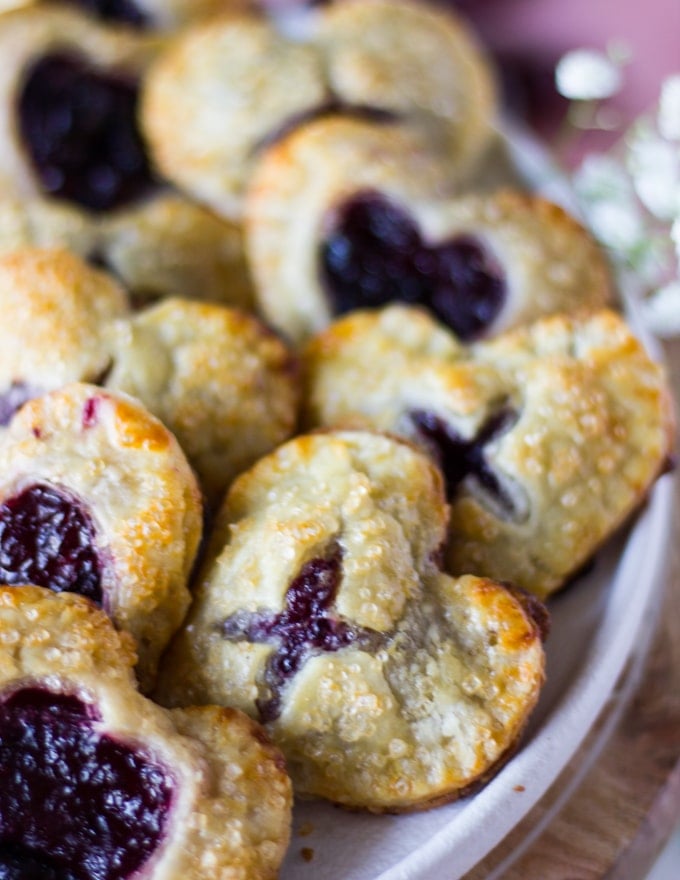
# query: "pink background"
{"type": "Point", "coordinates": [545, 29]}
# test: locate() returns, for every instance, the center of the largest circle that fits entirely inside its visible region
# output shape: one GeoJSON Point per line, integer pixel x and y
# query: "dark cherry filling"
{"type": "Point", "coordinates": [81, 131]}
{"type": "Point", "coordinates": [304, 627]}
{"type": "Point", "coordinates": [12, 400]}
{"type": "Point", "coordinates": [460, 458]}
{"type": "Point", "coordinates": [74, 804]}
{"type": "Point", "coordinates": [113, 10]}
{"type": "Point", "coordinates": [374, 255]}
{"type": "Point", "coordinates": [47, 539]}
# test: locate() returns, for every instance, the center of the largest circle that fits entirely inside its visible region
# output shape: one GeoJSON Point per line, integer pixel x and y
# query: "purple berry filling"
{"type": "Point", "coordinates": [460, 458]}
{"type": "Point", "coordinates": [305, 626]}
{"type": "Point", "coordinates": [12, 400]}
{"type": "Point", "coordinates": [47, 539]}
{"type": "Point", "coordinates": [74, 804]}
{"type": "Point", "coordinates": [374, 255]}
{"type": "Point", "coordinates": [124, 11]}
{"type": "Point", "coordinates": [80, 129]}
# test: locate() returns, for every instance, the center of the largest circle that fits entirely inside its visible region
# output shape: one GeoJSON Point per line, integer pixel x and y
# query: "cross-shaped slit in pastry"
{"type": "Point", "coordinates": [463, 458]}
{"type": "Point", "coordinates": [306, 626]}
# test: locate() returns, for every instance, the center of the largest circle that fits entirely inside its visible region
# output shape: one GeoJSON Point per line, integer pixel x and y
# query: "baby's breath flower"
{"type": "Point", "coordinates": [661, 310]}
{"type": "Point", "coordinates": [669, 108]}
{"type": "Point", "coordinates": [630, 197]}
{"type": "Point", "coordinates": [587, 75]}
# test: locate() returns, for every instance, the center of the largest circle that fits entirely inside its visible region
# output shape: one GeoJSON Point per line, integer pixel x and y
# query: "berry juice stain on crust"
{"type": "Point", "coordinates": [47, 539]}
{"type": "Point", "coordinates": [91, 412]}
{"type": "Point", "coordinates": [374, 255]}
{"type": "Point", "coordinates": [79, 125]}
{"type": "Point", "coordinates": [123, 11]}
{"type": "Point", "coordinates": [306, 626]}
{"type": "Point", "coordinates": [74, 804]}
{"type": "Point", "coordinates": [460, 458]}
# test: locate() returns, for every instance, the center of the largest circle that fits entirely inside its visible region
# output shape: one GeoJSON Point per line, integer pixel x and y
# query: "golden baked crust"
{"type": "Point", "coordinates": [55, 313]}
{"type": "Point", "coordinates": [225, 89]}
{"type": "Point", "coordinates": [572, 422]}
{"type": "Point", "coordinates": [413, 685]}
{"type": "Point", "coordinates": [163, 246]}
{"type": "Point", "coordinates": [549, 263]}
{"type": "Point", "coordinates": [416, 61]}
{"type": "Point", "coordinates": [120, 465]}
{"type": "Point", "coordinates": [223, 383]}
{"type": "Point", "coordinates": [159, 15]}
{"type": "Point", "coordinates": [28, 35]}
{"type": "Point", "coordinates": [168, 246]}
{"type": "Point", "coordinates": [216, 94]}
{"type": "Point", "coordinates": [230, 812]}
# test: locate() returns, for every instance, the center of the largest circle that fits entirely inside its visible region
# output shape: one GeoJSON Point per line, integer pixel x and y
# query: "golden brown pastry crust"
{"type": "Point", "coordinates": [162, 246]}
{"type": "Point", "coordinates": [227, 88]}
{"type": "Point", "coordinates": [128, 472]}
{"type": "Point", "coordinates": [169, 246]}
{"type": "Point", "coordinates": [549, 262]}
{"type": "Point", "coordinates": [223, 383]}
{"type": "Point", "coordinates": [589, 426]}
{"type": "Point", "coordinates": [27, 35]}
{"type": "Point", "coordinates": [162, 15]}
{"type": "Point", "coordinates": [55, 313]}
{"type": "Point", "coordinates": [231, 804]}
{"type": "Point", "coordinates": [441, 674]}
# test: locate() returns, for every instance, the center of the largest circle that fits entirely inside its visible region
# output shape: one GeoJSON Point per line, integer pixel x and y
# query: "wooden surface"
{"type": "Point", "coordinates": [618, 819]}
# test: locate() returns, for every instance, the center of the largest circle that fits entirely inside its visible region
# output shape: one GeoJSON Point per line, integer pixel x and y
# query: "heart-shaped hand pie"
{"type": "Point", "coordinates": [343, 215]}
{"type": "Point", "coordinates": [74, 171]}
{"type": "Point", "coordinates": [548, 436]}
{"type": "Point", "coordinates": [101, 784]}
{"type": "Point", "coordinates": [225, 89]}
{"type": "Point", "coordinates": [321, 610]}
{"type": "Point", "coordinates": [68, 106]}
{"type": "Point", "coordinates": [223, 383]}
{"type": "Point", "coordinates": [97, 498]}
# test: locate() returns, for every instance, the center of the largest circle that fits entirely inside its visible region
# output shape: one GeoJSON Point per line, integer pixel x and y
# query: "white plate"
{"type": "Point", "coordinates": [600, 625]}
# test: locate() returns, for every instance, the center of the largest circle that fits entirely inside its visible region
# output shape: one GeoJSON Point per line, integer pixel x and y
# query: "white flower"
{"type": "Point", "coordinates": [661, 310]}
{"type": "Point", "coordinates": [669, 108]}
{"type": "Point", "coordinates": [587, 75]}
{"type": "Point", "coordinates": [654, 165]}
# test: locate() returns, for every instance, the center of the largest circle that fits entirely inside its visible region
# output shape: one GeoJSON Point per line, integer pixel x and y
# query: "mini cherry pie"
{"type": "Point", "coordinates": [343, 214]}
{"type": "Point", "coordinates": [548, 436]}
{"type": "Point", "coordinates": [97, 498]}
{"type": "Point", "coordinates": [101, 784]}
{"type": "Point", "coordinates": [322, 611]}
{"type": "Point", "coordinates": [223, 383]}
{"type": "Point", "coordinates": [227, 88]}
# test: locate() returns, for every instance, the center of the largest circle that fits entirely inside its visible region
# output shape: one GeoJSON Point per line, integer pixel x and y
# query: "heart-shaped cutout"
{"type": "Point", "coordinates": [373, 254]}
{"type": "Point", "coordinates": [79, 125]}
{"type": "Point", "coordinates": [118, 803]}
{"type": "Point", "coordinates": [97, 498]}
{"type": "Point", "coordinates": [48, 538]}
